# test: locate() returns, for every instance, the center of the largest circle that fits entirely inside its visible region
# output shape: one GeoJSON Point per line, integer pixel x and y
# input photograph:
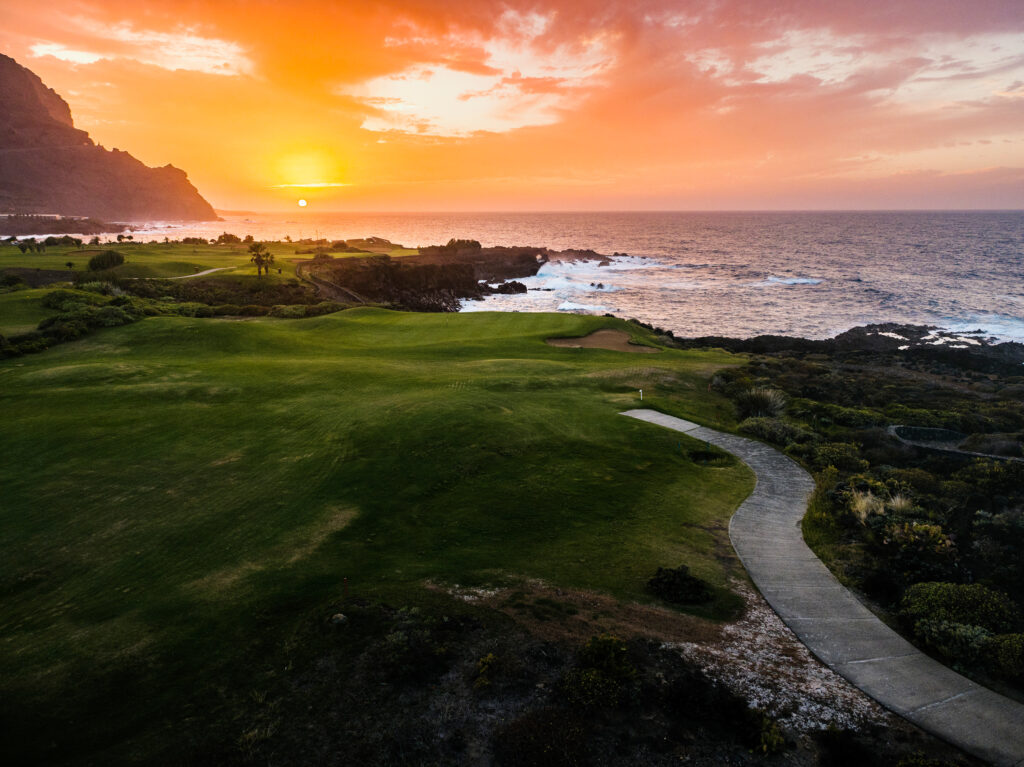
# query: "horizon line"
{"type": "Point", "coordinates": [307, 211]}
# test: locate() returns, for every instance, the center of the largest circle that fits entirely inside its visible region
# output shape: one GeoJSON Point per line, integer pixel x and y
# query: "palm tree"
{"type": "Point", "coordinates": [261, 257]}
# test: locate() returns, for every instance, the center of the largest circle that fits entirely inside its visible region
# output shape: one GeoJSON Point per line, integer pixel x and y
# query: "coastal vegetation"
{"type": "Point", "coordinates": [933, 536]}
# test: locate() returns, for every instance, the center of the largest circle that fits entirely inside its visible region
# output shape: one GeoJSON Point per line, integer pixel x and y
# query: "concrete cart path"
{"type": "Point", "coordinates": [835, 626]}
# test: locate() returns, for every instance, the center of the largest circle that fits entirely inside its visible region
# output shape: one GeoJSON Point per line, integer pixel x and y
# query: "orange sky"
{"type": "Point", "coordinates": [566, 104]}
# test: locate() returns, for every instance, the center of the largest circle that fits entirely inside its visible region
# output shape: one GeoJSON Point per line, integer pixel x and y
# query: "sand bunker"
{"type": "Point", "coordinates": [614, 340]}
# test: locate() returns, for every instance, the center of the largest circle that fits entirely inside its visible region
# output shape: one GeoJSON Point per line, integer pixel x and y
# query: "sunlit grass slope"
{"type": "Point", "coordinates": [21, 311]}
{"type": "Point", "coordinates": [166, 259]}
{"type": "Point", "coordinates": [172, 486]}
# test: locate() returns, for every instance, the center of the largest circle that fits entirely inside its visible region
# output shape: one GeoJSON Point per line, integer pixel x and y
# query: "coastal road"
{"type": "Point", "coordinates": [832, 622]}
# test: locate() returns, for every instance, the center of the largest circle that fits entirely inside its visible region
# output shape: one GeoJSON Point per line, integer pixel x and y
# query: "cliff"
{"type": "Point", "coordinates": [49, 166]}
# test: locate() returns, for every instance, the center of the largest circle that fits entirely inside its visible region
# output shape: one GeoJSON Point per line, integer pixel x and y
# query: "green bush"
{"type": "Point", "coordinates": [608, 654]}
{"type": "Point", "coordinates": [601, 677]}
{"type": "Point", "coordinates": [917, 551]}
{"type": "Point", "coordinates": [324, 307]}
{"type": "Point", "coordinates": [1007, 655]}
{"type": "Point", "coordinates": [112, 317]}
{"type": "Point", "coordinates": [70, 300]}
{"type": "Point", "coordinates": [769, 738]}
{"type": "Point", "coordinates": [971, 604]}
{"type": "Point", "coordinates": [192, 309]}
{"type": "Point", "coordinates": [678, 586]}
{"type": "Point", "coordinates": [591, 688]}
{"type": "Point", "coordinates": [959, 642]}
{"type": "Point", "coordinates": [108, 259]}
{"type": "Point", "coordinates": [776, 430]}
{"type": "Point", "coordinates": [844, 456]}
{"type": "Point", "coordinates": [289, 312]}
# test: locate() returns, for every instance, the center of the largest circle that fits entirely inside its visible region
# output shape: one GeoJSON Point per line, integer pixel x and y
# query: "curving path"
{"type": "Point", "coordinates": [835, 626]}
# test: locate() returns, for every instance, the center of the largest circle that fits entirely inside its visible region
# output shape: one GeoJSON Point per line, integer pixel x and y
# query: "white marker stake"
{"type": "Point", "coordinates": [641, 395]}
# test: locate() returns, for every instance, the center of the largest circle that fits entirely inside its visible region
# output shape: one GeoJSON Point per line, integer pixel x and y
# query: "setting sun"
{"type": "Point", "coordinates": [302, 203]}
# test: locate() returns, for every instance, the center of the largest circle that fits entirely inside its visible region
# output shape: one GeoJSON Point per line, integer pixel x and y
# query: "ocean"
{"type": "Point", "coordinates": [809, 274]}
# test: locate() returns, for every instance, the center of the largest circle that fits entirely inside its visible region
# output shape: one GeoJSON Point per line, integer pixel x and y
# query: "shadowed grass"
{"type": "Point", "coordinates": [174, 485]}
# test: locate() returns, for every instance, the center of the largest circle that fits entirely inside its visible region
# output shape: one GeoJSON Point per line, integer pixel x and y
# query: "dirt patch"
{"type": "Point", "coordinates": [613, 340]}
{"type": "Point", "coordinates": [559, 615]}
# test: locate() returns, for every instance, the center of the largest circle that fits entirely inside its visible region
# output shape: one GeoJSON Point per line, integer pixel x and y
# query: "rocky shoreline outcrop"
{"type": "Point", "coordinates": [971, 350]}
{"type": "Point", "coordinates": [437, 279]}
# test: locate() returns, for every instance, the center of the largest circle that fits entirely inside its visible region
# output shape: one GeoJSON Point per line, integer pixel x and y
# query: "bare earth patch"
{"type": "Point", "coordinates": [613, 340]}
{"type": "Point", "coordinates": [556, 614]}
{"type": "Point", "coordinates": [759, 658]}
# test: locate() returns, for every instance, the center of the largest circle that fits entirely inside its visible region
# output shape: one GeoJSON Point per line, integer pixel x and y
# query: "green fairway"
{"type": "Point", "coordinates": [21, 311]}
{"type": "Point", "coordinates": [170, 484]}
{"type": "Point", "coordinates": [172, 259]}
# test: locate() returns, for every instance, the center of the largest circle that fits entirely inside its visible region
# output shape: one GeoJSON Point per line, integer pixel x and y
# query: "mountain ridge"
{"type": "Point", "coordinates": [47, 165]}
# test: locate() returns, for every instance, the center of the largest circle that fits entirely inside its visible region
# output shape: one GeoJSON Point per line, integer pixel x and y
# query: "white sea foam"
{"type": "Point", "coordinates": [773, 281]}
{"type": "Point", "coordinates": [897, 336]}
{"type": "Point", "coordinates": [569, 306]}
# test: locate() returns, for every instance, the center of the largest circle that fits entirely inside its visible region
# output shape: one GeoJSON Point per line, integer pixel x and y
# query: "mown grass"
{"type": "Point", "coordinates": [21, 311]}
{"type": "Point", "coordinates": [166, 259]}
{"type": "Point", "coordinates": [173, 486]}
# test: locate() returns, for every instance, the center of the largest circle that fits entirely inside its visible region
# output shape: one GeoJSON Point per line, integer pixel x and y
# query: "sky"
{"type": "Point", "coordinates": [458, 105]}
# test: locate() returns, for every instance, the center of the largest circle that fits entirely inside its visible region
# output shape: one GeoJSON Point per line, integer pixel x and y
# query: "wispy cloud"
{"type": "Point", "coordinates": [182, 49]}
{"type": "Point", "coordinates": [471, 83]}
{"type": "Point", "coordinates": [64, 53]}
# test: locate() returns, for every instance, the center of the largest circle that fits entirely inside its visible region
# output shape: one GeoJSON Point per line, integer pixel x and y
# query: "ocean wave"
{"type": "Point", "coordinates": [566, 284]}
{"type": "Point", "coordinates": [571, 306]}
{"type": "Point", "coordinates": [1000, 326]}
{"type": "Point", "coordinates": [773, 281]}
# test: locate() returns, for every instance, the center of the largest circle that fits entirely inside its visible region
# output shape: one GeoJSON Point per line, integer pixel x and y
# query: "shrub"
{"type": "Point", "coordinates": [918, 551]}
{"type": "Point", "coordinates": [291, 312]}
{"type": "Point", "coordinates": [112, 317]}
{"type": "Point", "coordinates": [971, 604]}
{"type": "Point", "coordinates": [191, 309]}
{"type": "Point", "coordinates": [961, 642]}
{"type": "Point", "coordinates": [108, 259]}
{"type": "Point", "coordinates": [484, 669]}
{"type": "Point", "coordinates": [600, 679]}
{"type": "Point", "coordinates": [776, 430]}
{"type": "Point", "coordinates": [766, 734]}
{"type": "Point", "coordinates": [843, 455]}
{"type": "Point", "coordinates": [68, 300]}
{"type": "Point", "coordinates": [678, 586]}
{"type": "Point", "coordinates": [1007, 655]}
{"type": "Point", "coordinates": [591, 688]}
{"type": "Point", "coordinates": [608, 654]}
{"type": "Point", "coordinates": [760, 403]}
{"type": "Point", "coordinates": [324, 307]}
